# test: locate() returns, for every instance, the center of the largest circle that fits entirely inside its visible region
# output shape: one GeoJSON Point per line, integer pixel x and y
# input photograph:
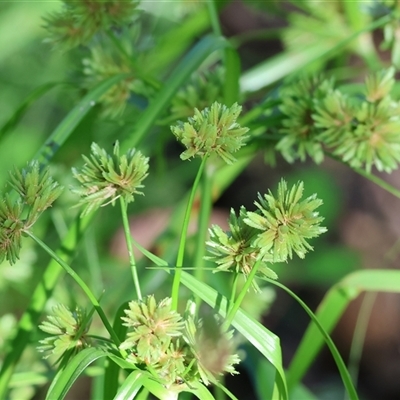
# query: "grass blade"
{"type": "Point", "coordinates": [331, 309]}
{"type": "Point", "coordinates": [112, 370]}
{"type": "Point", "coordinates": [75, 367]}
{"type": "Point", "coordinates": [131, 386]}
{"type": "Point", "coordinates": [344, 373]}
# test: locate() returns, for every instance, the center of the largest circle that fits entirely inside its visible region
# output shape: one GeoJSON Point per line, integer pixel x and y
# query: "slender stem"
{"type": "Point", "coordinates": [182, 243]}
{"type": "Point", "coordinates": [212, 11]}
{"type": "Point", "coordinates": [128, 239]}
{"type": "Point", "coordinates": [234, 288]}
{"type": "Point", "coordinates": [204, 219]}
{"type": "Point", "coordinates": [80, 282]}
{"type": "Point", "coordinates": [235, 306]}
{"type": "Point", "coordinates": [358, 340]}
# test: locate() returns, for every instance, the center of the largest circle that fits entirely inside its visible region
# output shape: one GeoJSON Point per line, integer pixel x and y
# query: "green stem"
{"type": "Point", "coordinates": [128, 239]}
{"type": "Point", "coordinates": [213, 13]}
{"type": "Point", "coordinates": [204, 219]}
{"type": "Point", "coordinates": [233, 308]}
{"type": "Point", "coordinates": [360, 331]}
{"type": "Point", "coordinates": [234, 288]}
{"type": "Point", "coordinates": [80, 282]}
{"type": "Point", "coordinates": [182, 243]}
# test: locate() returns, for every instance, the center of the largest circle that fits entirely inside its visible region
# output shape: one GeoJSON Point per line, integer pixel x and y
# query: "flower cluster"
{"type": "Point", "coordinates": [212, 131]}
{"type": "Point", "coordinates": [68, 331]}
{"type": "Point", "coordinates": [280, 227]}
{"type": "Point", "coordinates": [202, 89]}
{"type": "Point", "coordinates": [104, 177]}
{"type": "Point", "coordinates": [104, 63]}
{"type": "Point", "coordinates": [80, 20]}
{"type": "Point", "coordinates": [301, 136]}
{"type": "Point", "coordinates": [234, 250]}
{"type": "Point", "coordinates": [363, 131]}
{"type": "Point", "coordinates": [36, 191]}
{"type": "Point", "coordinates": [176, 349]}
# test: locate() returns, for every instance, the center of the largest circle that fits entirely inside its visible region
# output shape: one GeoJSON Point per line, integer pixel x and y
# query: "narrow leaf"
{"type": "Point", "coordinates": [75, 367]}
{"type": "Point", "coordinates": [331, 309]}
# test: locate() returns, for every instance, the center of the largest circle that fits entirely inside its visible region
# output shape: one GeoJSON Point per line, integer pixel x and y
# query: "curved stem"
{"type": "Point", "coordinates": [80, 282]}
{"type": "Point", "coordinates": [128, 239]}
{"type": "Point", "coordinates": [182, 243]}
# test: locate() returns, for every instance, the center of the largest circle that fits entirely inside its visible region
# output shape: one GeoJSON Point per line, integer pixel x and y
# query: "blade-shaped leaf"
{"type": "Point", "coordinates": [330, 310]}
{"type": "Point", "coordinates": [75, 367]}
{"type": "Point", "coordinates": [131, 386]}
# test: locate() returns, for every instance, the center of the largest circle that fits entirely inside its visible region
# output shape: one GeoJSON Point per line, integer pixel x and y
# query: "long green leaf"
{"type": "Point", "coordinates": [331, 309]}
{"type": "Point", "coordinates": [200, 391]}
{"type": "Point", "coordinates": [75, 367]}
{"type": "Point", "coordinates": [335, 353]}
{"type": "Point", "coordinates": [131, 386]}
{"type": "Point", "coordinates": [284, 64]}
{"type": "Point", "coordinates": [112, 370]}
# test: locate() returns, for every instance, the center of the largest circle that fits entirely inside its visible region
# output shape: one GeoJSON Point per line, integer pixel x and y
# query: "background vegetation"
{"type": "Point", "coordinates": [176, 59]}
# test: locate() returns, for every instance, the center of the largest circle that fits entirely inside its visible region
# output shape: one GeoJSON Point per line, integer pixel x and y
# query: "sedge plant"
{"type": "Point", "coordinates": [158, 89]}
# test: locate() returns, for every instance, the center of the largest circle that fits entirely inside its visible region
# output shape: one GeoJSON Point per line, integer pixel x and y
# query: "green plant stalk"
{"type": "Point", "coordinates": [181, 250]}
{"type": "Point", "coordinates": [213, 13]}
{"type": "Point", "coordinates": [235, 306]}
{"type": "Point", "coordinates": [128, 239]}
{"type": "Point", "coordinates": [204, 219]}
{"type": "Point", "coordinates": [360, 331]}
{"type": "Point", "coordinates": [234, 287]}
{"type": "Point", "coordinates": [344, 373]}
{"type": "Point", "coordinates": [80, 282]}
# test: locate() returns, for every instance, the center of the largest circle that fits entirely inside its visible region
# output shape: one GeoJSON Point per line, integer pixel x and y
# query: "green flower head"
{"type": "Point", "coordinates": [154, 325]}
{"type": "Point", "coordinates": [66, 329]}
{"type": "Point", "coordinates": [234, 251]}
{"type": "Point", "coordinates": [202, 89]}
{"type": "Point", "coordinates": [80, 20]}
{"type": "Point", "coordinates": [212, 131]}
{"type": "Point", "coordinates": [211, 349]}
{"type": "Point", "coordinates": [104, 177]}
{"type": "Point", "coordinates": [298, 106]}
{"type": "Point", "coordinates": [286, 222]}
{"type": "Point", "coordinates": [36, 191]}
